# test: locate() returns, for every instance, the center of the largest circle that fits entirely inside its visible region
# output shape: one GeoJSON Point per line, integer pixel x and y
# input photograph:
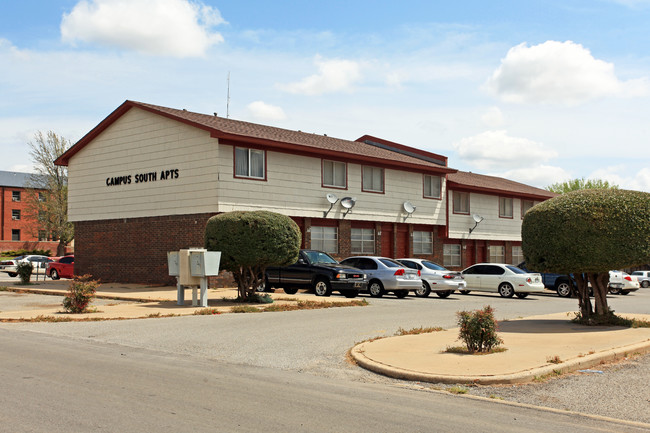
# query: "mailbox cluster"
{"type": "Point", "coordinates": [192, 267]}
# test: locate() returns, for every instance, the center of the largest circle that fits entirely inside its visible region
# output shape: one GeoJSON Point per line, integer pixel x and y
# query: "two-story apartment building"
{"type": "Point", "coordinates": [146, 179]}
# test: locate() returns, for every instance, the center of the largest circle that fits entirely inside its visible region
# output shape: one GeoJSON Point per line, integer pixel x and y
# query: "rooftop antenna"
{"type": "Point", "coordinates": [228, 99]}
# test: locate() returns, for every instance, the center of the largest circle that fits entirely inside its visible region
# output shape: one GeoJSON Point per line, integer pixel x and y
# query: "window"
{"type": "Point", "coordinates": [15, 235]}
{"type": "Point", "coordinates": [42, 235]}
{"type": "Point", "coordinates": [249, 163]}
{"type": "Point", "coordinates": [15, 195]}
{"type": "Point", "coordinates": [461, 202]}
{"type": "Point", "coordinates": [505, 207]}
{"type": "Point", "coordinates": [334, 174]}
{"type": "Point", "coordinates": [432, 186]}
{"type": "Point", "coordinates": [422, 243]}
{"type": "Point", "coordinates": [325, 239]}
{"type": "Point", "coordinates": [373, 179]}
{"type": "Point", "coordinates": [363, 241]}
{"type": "Point", "coordinates": [15, 214]}
{"type": "Point", "coordinates": [451, 255]}
{"type": "Point", "coordinates": [525, 206]}
{"type": "Point", "coordinates": [41, 197]}
{"type": "Point", "coordinates": [497, 253]}
{"type": "Point", "coordinates": [517, 255]}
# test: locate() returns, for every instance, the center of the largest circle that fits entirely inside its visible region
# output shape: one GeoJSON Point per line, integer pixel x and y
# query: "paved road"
{"type": "Point", "coordinates": [59, 385]}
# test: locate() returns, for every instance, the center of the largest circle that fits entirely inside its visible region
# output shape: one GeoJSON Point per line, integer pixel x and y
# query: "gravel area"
{"type": "Point", "coordinates": [620, 391]}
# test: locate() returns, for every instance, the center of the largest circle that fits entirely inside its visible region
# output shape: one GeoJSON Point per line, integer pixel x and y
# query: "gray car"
{"type": "Point", "coordinates": [386, 275]}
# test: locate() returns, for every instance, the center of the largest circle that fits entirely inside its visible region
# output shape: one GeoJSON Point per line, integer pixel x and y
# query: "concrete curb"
{"type": "Point", "coordinates": [357, 353]}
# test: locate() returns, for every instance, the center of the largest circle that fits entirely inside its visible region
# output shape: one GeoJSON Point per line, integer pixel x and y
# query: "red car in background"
{"type": "Point", "coordinates": [61, 268]}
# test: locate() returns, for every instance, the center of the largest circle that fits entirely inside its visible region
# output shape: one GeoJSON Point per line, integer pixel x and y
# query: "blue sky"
{"type": "Point", "coordinates": [535, 91]}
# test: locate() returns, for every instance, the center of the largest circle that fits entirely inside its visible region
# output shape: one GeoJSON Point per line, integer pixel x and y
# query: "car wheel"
{"type": "Point", "coordinates": [54, 274]}
{"type": "Point", "coordinates": [12, 274]}
{"type": "Point", "coordinates": [645, 284]}
{"type": "Point", "coordinates": [521, 295]}
{"type": "Point", "coordinates": [290, 290]}
{"type": "Point", "coordinates": [423, 291]}
{"type": "Point", "coordinates": [401, 294]}
{"type": "Point", "coordinates": [614, 290]}
{"type": "Point", "coordinates": [322, 288]}
{"type": "Point", "coordinates": [464, 292]}
{"type": "Point", "coordinates": [445, 294]}
{"type": "Point", "coordinates": [506, 290]}
{"type": "Point", "coordinates": [625, 292]}
{"type": "Point", "coordinates": [563, 289]}
{"type": "Point", "coordinates": [350, 293]}
{"type": "Point", "coordinates": [376, 289]}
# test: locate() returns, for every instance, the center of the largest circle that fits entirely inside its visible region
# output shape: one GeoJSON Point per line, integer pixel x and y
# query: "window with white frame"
{"type": "Point", "coordinates": [497, 253]}
{"type": "Point", "coordinates": [517, 254]}
{"type": "Point", "coordinates": [334, 174]}
{"type": "Point", "coordinates": [451, 255]}
{"type": "Point", "coordinates": [461, 202]}
{"type": "Point", "coordinates": [42, 235]}
{"type": "Point", "coordinates": [432, 186]}
{"type": "Point", "coordinates": [505, 207]}
{"type": "Point", "coordinates": [249, 163]}
{"type": "Point", "coordinates": [15, 195]}
{"type": "Point", "coordinates": [15, 214]}
{"type": "Point", "coordinates": [525, 206]}
{"type": "Point", "coordinates": [362, 241]}
{"type": "Point", "coordinates": [325, 239]}
{"type": "Point", "coordinates": [422, 242]}
{"type": "Point", "coordinates": [373, 179]}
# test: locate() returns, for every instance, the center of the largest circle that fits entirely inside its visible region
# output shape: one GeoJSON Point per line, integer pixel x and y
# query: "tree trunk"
{"type": "Point", "coordinates": [599, 284]}
{"type": "Point", "coordinates": [60, 248]}
{"type": "Point", "coordinates": [583, 296]}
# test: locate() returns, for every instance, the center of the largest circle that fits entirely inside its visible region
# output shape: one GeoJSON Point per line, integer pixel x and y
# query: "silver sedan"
{"type": "Point", "coordinates": [386, 275]}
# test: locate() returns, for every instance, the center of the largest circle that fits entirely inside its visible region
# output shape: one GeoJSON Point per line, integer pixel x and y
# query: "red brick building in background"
{"type": "Point", "coordinates": [19, 231]}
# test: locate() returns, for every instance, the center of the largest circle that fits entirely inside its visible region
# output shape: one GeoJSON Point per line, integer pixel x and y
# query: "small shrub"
{"type": "Point", "coordinates": [416, 331]}
{"type": "Point", "coordinates": [554, 360]}
{"type": "Point", "coordinates": [478, 329]}
{"type": "Point", "coordinates": [82, 291]}
{"type": "Point", "coordinates": [24, 270]}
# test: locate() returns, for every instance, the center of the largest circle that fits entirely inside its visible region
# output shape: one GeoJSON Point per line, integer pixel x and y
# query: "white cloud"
{"type": "Point", "coordinates": [178, 28]}
{"type": "Point", "coordinates": [560, 72]}
{"type": "Point", "coordinates": [260, 110]}
{"type": "Point", "coordinates": [498, 150]}
{"type": "Point", "coordinates": [333, 76]}
{"type": "Point", "coordinates": [493, 118]}
{"type": "Point", "coordinates": [539, 175]}
{"type": "Point", "coordinates": [622, 176]}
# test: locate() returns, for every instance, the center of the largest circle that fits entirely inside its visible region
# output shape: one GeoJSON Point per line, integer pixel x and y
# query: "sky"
{"type": "Point", "coordinates": [534, 91]}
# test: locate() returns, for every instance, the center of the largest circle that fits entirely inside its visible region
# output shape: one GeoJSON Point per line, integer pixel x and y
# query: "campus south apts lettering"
{"type": "Point", "coordinates": [151, 176]}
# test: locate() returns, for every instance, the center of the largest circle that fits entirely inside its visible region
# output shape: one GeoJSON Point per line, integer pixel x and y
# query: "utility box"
{"type": "Point", "coordinates": [185, 277]}
{"type": "Point", "coordinates": [172, 263]}
{"type": "Point", "coordinates": [204, 263]}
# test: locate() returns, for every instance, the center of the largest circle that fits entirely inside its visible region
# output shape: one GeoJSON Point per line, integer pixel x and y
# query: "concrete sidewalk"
{"type": "Point", "coordinates": [534, 347]}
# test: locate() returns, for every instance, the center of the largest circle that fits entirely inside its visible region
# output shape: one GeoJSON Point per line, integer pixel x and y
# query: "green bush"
{"type": "Point", "coordinates": [16, 253]}
{"type": "Point", "coordinates": [478, 329]}
{"type": "Point", "coordinates": [24, 271]}
{"type": "Point", "coordinates": [81, 293]}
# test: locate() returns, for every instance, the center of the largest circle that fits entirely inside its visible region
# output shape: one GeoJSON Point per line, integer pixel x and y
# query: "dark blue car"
{"type": "Point", "coordinates": [562, 284]}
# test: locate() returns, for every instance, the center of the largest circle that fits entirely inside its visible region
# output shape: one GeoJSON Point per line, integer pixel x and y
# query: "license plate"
{"type": "Point", "coordinates": [357, 285]}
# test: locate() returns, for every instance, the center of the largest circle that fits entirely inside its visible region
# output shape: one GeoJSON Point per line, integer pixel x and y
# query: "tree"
{"type": "Point", "coordinates": [250, 242]}
{"type": "Point", "coordinates": [578, 184]}
{"type": "Point", "coordinates": [49, 205]}
{"type": "Point", "coordinates": [588, 233]}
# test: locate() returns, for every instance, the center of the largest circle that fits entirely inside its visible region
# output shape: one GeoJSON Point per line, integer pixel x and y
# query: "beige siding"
{"type": "Point", "coordinates": [293, 187]}
{"type": "Point", "coordinates": [141, 142]}
{"type": "Point", "coordinates": [492, 227]}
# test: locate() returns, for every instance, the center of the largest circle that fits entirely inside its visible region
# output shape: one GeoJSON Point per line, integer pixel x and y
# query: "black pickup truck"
{"type": "Point", "coordinates": [319, 271]}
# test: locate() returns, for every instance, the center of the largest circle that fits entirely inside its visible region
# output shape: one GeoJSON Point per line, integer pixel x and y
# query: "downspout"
{"type": "Point", "coordinates": [2, 215]}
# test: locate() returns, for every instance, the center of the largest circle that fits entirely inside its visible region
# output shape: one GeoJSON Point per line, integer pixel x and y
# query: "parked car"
{"type": "Point", "coordinates": [622, 283]}
{"type": "Point", "coordinates": [507, 280]}
{"type": "Point", "coordinates": [38, 262]}
{"type": "Point", "coordinates": [386, 275]}
{"type": "Point", "coordinates": [562, 284]}
{"type": "Point", "coordinates": [435, 278]}
{"type": "Point", "coordinates": [317, 270]}
{"type": "Point", "coordinates": [63, 267]}
{"type": "Point", "coordinates": [643, 277]}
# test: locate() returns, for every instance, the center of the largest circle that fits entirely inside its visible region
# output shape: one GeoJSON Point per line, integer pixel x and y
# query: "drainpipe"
{"type": "Point", "coordinates": [2, 215]}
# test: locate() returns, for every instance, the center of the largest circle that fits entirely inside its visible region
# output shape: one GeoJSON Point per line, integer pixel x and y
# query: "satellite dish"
{"type": "Point", "coordinates": [477, 218]}
{"type": "Point", "coordinates": [332, 199]}
{"type": "Point", "coordinates": [408, 207]}
{"type": "Point", "coordinates": [348, 203]}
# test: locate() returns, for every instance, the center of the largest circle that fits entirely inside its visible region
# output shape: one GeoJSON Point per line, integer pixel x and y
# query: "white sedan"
{"type": "Point", "coordinates": [39, 264]}
{"type": "Point", "coordinates": [507, 280]}
{"type": "Point", "coordinates": [435, 278]}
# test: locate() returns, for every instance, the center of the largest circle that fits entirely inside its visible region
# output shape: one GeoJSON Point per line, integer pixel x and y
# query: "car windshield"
{"type": "Point", "coordinates": [433, 266]}
{"type": "Point", "coordinates": [391, 263]}
{"type": "Point", "coordinates": [19, 258]}
{"type": "Point", "coordinates": [515, 269]}
{"type": "Point", "coordinates": [319, 257]}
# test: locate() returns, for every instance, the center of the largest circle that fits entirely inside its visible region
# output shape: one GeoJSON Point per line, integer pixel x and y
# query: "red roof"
{"type": "Point", "coordinates": [245, 133]}
{"type": "Point", "coordinates": [463, 180]}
